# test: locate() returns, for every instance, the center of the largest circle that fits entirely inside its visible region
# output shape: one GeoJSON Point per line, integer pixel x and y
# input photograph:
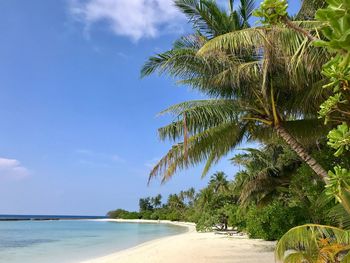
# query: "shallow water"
{"type": "Point", "coordinates": [73, 240]}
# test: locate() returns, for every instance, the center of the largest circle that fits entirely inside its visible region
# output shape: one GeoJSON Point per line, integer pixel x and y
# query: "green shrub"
{"type": "Point", "coordinates": [272, 221]}
{"type": "Point", "coordinates": [146, 214]}
{"type": "Point", "coordinates": [236, 217]}
{"type": "Point", "coordinates": [123, 214]}
{"type": "Point", "coordinates": [206, 222]}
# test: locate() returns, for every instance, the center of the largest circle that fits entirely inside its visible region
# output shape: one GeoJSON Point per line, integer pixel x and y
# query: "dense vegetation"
{"type": "Point", "coordinates": [285, 84]}
{"type": "Point", "coordinates": [273, 192]}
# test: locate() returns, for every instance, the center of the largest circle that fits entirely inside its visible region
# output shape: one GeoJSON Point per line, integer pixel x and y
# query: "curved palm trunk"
{"type": "Point", "coordinates": [302, 153]}
{"type": "Point", "coordinates": [299, 29]}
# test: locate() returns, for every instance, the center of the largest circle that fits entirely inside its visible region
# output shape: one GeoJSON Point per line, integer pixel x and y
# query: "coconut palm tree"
{"type": "Point", "coordinates": [219, 182]}
{"type": "Point", "coordinates": [266, 172]}
{"type": "Point", "coordinates": [208, 21]}
{"type": "Point", "coordinates": [157, 201]}
{"type": "Point", "coordinates": [263, 81]}
{"type": "Point", "coordinates": [188, 196]}
{"type": "Point", "coordinates": [175, 202]}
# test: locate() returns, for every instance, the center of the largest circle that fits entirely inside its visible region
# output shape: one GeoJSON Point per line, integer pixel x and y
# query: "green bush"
{"type": "Point", "coordinates": [146, 214]}
{"type": "Point", "coordinates": [132, 215]}
{"type": "Point", "coordinates": [207, 221]}
{"type": "Point", "coordinates": [123, 214]}
{"type": "Point", "coordinates": [174, 216]}
{"type": "Point", "coordinates": [236, 217]}
{"type": "Point", "coordinates": [272, 221]}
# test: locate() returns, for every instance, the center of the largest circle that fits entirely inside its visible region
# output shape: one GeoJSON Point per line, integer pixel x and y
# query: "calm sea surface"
{"type": "Point", "coordinates": [63, 241]}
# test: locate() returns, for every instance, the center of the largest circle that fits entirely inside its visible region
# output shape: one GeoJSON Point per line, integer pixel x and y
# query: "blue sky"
{"type": "Point", "coordinates": [78, 125]}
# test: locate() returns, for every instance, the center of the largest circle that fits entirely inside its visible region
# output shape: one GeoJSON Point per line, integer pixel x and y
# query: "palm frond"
{"type": "Point", "coordinates": [267, 170]}
{"type": "Point", "coordinates": [171, 62]}
{"type": "Point", "coordinates": [245, 11]}
{"type": "Point", "coordinates": [200, 116]}
{"type": "Point", "coordinates": [207, 17]}
{"type": "Point", "coordinates": [218, 141]}
{"type": "Point", "coordinates": [235, 41]}
{"type": "Point", "coordinates": [341, 216]}
{"type": "Point", "coordinates": [307, 131]}
{"type": "Point", "coordinates": [296, 257]}
{"type": "Point", "coordinates": [312, 239]}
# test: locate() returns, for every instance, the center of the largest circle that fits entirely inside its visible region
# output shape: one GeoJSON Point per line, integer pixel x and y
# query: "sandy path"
{"type": "Point", "coordinates": [193, 247]}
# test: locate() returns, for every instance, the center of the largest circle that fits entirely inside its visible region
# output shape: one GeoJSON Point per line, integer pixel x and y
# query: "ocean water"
{"type": "Point", "coordinates": [46, 217]}
{"type": "Point", "coordinates": [70, 241]}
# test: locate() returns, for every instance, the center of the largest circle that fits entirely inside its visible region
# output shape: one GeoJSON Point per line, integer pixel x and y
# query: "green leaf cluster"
{"type": "Point", "coordinates": [272, 221]}
{"type": "Point", "coordinates": [339, 139]}
{"type": "Point", "coordinates": [336, 37]}
{"type": "Point", "coordinates": [339, 181]}
{"type": "Point", "coordinates": [336, 18]}
{"type": "Point", "coordinates": [338, 74]}
{"type": "Point", "coordinates": [329, 105]}
{"type": "Point", "coordinates": [272, 11]}
{"type": "Point", "coordinates": [337, 106]}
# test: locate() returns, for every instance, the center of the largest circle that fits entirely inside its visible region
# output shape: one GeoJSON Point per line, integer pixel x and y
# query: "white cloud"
{"type": "Point", "coordinates": [12, 168]}
{"type": "Point", "coordinates": [87, 156]}
{"type": "Point", "coordinates": [135, 19]}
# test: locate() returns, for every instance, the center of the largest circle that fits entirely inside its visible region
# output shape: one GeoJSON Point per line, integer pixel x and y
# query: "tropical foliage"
{"type": "Point", "coordinates": [272, 192]}
{"type": "Point", "coordinates": [320, 243]}
{"type": "Point", "coordinates": [285, 84]}
{"type": "Point", "coordinates": [250, 98]}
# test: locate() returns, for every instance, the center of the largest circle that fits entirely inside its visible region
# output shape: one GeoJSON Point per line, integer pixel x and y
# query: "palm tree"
{"type": "Point", "coordinates": [219, 182]}
{"type": "Point", "coordinates": [266, 173]}
{"type": "Point", "coordinates": [188, 196]}
{"type": "Point", "coordinates": [208, 21]}
{"type": "Point", "coordinates": [157, 201]}
{"type": "Point", "coordinates": [206, 196]}
{"type": "Point", "coordinates": [175, 202]}
{"type": "Point", "coordinates": [264, 82]}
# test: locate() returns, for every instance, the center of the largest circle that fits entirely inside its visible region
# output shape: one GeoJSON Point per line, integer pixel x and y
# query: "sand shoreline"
{"type": "Point", "coordinates": [190, 226]}
{"type": "Point", "coordinates": [191, 247]}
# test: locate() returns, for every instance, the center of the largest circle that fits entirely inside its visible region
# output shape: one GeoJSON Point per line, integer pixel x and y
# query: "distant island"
{"type": "Point", "coordinates": [45, 217]}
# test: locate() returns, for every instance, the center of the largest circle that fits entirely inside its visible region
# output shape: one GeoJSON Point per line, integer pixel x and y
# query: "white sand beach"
{"type": "Point", "coordinates": [193, 247]}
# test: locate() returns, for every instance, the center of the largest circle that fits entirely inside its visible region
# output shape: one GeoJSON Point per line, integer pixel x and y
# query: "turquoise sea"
{"type": "Point", "coordinates": [63, 241]}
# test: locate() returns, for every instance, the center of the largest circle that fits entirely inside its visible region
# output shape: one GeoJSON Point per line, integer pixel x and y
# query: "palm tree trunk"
{"type": "Point", "coordinates": [302, 153]}
{"type": "Point", "coordinates": [299, 29]}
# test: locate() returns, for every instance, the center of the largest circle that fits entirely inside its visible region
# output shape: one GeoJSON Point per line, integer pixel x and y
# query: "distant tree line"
{"type": "Point", "coordinates": [273, 192]}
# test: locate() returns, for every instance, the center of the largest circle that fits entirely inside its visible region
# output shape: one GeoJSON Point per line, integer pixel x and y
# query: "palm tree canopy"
{"type": "Point", "coordinates": [265, 173]}
{"type": "Point", "coordinates": [258, 78]}
{"type": "Point", "coordinates": [219, 182]}
{"type": "Point", "coordinates": [210, 20]}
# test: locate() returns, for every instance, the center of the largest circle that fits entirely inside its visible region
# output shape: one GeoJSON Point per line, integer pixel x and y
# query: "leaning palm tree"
{"type": "Point", "coordinates": [263, 82]}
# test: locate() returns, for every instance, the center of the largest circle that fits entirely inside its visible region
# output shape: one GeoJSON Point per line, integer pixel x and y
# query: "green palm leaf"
{"type": "Point", "coordinates": [314, 242]}
{"type": "Point", "coordinates": [200, 116]}
{"type": "Point", "coordinates": [245, 10]}
{"type": "Point", "coordinates": [199, 148]}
